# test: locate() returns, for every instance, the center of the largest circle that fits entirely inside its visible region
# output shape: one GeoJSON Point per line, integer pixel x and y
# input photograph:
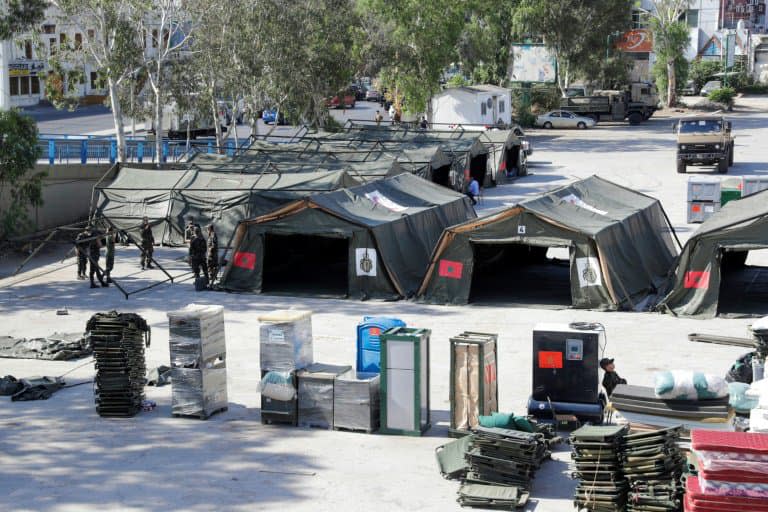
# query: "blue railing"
{"type": "Point", "coordinates": [84, 149]}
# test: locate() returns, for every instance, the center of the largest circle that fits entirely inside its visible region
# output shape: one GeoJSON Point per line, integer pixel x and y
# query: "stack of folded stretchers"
{"type": "Point", "coordinates": [596, 452]}
{"type": "Point", "coordinates": [732, 472]}
{"type": "Point", "coordinates": [652, 463]}
{"type": "Point", "coordinates": [639, 405]}
{"type": "Point", "coordinates": [495, 466]}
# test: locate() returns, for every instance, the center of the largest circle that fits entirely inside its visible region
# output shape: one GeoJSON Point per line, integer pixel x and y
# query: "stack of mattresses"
{"type": "Point", "coordinates": [118, 347]}
{"type": "Point", "coordinates": [639, 405]}
{"type": "Point", "coordinates": [652, 463]}
{"type": "Point", "coordinates": [732, 472]}
{"type": "Point", "coordinates": [505, 456]}
{"type": "Point", "coordinates": [596, 454]}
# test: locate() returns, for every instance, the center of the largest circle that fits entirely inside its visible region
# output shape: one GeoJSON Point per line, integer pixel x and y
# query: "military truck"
{"type": "Point", "coordinates": [704, 140]}
{"type": "Point", "coordinates": [635, 104]}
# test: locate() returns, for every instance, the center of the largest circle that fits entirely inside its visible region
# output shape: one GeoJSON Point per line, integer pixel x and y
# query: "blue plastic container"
{"type": "Point", "coordinates": [368, 345]}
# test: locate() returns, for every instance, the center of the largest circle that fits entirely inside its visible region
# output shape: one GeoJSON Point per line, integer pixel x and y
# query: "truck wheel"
{"type": "Point", "coordinates": [547, 125]}
{"type": "Point", "coordinates": [581, 125]}
{"type": "Point", "coordinates": [635, 118]}
{"type": "Point", "coordinates": [722, 165]}
{"type": "Point", "coordinates": [730, 156]}
{"type": "Point", "coordinates": [681, 166]}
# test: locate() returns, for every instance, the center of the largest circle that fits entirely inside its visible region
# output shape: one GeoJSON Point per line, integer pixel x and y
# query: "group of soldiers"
{"type": "Point", "coordinates": [203, 253]}
{"type": "Point", "coordinates": [88, 244]}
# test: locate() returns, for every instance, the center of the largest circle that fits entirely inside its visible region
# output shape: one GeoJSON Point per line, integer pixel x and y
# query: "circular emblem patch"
{"type": "Point", "coordinates": [366, 265]}
{"type": "Point", "coordinates": [589, 275]}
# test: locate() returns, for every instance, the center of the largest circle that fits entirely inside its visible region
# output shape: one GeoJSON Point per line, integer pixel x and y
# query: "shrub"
{"type": "Point", "coordinates": [755, 89]}
{"type": "Point", "coordinates": [724, 96]}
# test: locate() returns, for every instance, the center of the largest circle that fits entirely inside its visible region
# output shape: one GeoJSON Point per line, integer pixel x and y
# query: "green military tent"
{"type": "Point", "coordinates": [616, 246]}
{"type": "Point", "coordinates": [369, 241]}
{"type": "Point", "coordinates": [712, 276]}
{"type": "Point", "coordinates": [168, 197]}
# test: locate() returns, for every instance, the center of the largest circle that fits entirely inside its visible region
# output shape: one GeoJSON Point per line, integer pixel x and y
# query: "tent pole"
{"type": "Point", "coordinates": [32, 255]}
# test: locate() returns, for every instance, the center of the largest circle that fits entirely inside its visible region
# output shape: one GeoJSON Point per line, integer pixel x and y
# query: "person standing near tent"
{"type": "Point", "coordinates": [147, 244]}
{"type": "Point", "coordinates": [109, 240]}
{"type": "Point", "coordinates": [378, 118]}
{"type": "Point", "coordinates": [94, 252]}
{"type": "Point", "coordinates": [192, 227]}
{"type": "Point", "coordinates": [82, 252]}
{"type": "Point", "coordinates": [212, 254]}
{"type": "Point", "coordinates": [423, 123]}
{"type": "Point", "coordinates": [197, 249]}
{"type": "Point", "coordinates": [473, 190]}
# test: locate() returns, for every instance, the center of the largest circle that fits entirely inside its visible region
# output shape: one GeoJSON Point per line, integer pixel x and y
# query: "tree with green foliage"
{"type": "Point", "coordinates": [576, 31]}
{"type": "Point", "coordinates": [19, 189]}
{"type": "Point", "coordinates": [19, 16]}
{"type": "Point", "coordinates": [421, 44]}
{"type": "Point", "coordinates": [701, 71]}
{"type": "Point", "coordinates": [670, 39]}
{"type": "Point", "coordinates": [484, 44]}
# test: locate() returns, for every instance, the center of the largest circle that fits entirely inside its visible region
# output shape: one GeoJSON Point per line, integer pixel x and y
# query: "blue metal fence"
{"type": "Point", "coordinates": [70, 149]}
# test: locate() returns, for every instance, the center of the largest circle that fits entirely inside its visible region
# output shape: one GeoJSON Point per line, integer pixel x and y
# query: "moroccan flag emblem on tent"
{"type": "Point", "coordinates": [244, 260]}
{"type": "Point", "coordinates": [450, 269]}
{"type": "Point", "coordinates": [697, 279]}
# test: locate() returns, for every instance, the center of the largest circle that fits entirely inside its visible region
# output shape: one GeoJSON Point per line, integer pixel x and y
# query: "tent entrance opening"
{"type": "Point", "coordinates": [442, 175]}
{"type": "Point", "coordinates": [478, 167]}
{"type": "Point", "coordinates": [305, 264]}
{"type": "Point", "coordinates": [519, 273]}
{"type": "Point", "coordinates": [743, 282]}
{"type": "Point", "coordinates": [510, 161]}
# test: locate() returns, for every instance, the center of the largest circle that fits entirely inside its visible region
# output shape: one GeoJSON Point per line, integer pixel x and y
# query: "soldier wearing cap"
{"type": "Point", "coordinates": [212, 254]}
{"type": "Point", "coordinates": [147, 244]}
{"type": "Point", "coordinates": [611, 379]}
{"type": "Point", "coordinates": [197, 248]}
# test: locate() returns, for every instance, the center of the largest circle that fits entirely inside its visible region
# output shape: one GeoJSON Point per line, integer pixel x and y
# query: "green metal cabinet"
{"type": "Point", "coordinates": [405, 381]}
{"type": "Point", "coordinates": [474, 388]}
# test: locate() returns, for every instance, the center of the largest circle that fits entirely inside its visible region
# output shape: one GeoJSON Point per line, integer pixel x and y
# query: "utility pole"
{"type": "Point", "coordinates": [5, 84]}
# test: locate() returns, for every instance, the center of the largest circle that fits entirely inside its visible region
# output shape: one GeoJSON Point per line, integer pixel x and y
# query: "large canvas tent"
{"type": "Point", "coordinates": [167, 197]}
{"type": "Point", "coordinates": [711, 276]}
{"type": "Point", "coordinates": [370, 241]}
{"type": "Point", "coordinates": [619, 247]}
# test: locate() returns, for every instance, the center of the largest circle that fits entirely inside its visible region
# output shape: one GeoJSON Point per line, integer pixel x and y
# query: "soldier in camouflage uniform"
{"type": "Point", "coordinates": [94, 253]}
{"type": "Point", "coordinates": [212, 254]}
{"type": "Point", "coordinates": [110, 243]}
{"type": "Point", "coordinates": [82, 252]}
{"type": "Point", "coordinates": [197, 248]}
{"type": "Point", "coordinates": [147, 244]}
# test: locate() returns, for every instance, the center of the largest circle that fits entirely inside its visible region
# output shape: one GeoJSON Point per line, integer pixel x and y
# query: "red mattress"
{"type": "Point", "coordinates": [746, 477]}
{"type": "Point", "coordinates": [740, 503]}
{"type": "Point", "coordinates": [692, 505]}
{"type": "Point", "coordinates": [738, 442]}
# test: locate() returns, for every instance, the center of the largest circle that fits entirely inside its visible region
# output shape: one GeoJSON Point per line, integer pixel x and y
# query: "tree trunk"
{"type": "Point", "coordinates": [117, 116]}
{"type": "Point", "coordinates": [671, 83]}
{"type": "Point", "coordinates": [217, 125]}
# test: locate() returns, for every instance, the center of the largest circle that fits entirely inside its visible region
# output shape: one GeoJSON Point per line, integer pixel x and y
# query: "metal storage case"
{"type": "Point", "coordinates": [369, 343]}
{"type": "Point", "coordinates": [699, 211]}
{"type": "Point", "coordinates": [753, 185]}
{"type": "Point", "coordinates": [285, 412]}
{"type": "Point", "coordinates": [405, 381]}
{"type": "Point", "coordinates": [285, 340]}
{"type": "Point", "coordinates": [315, 390]}
{"type": "Point", "coordinates": [356, 403]}
{"type": "Point", "coordinates": [703, 188]}
{"type": "Point", "coordinates": [473, 383]}
{"type": "Point", "coordinates": [198, 360]}
{"type": "Point", "coordinates": [565, 363]}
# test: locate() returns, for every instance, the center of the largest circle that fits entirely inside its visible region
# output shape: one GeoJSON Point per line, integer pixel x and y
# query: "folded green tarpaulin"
{"type": "Point", "coordinates": [56, 347]}
{"type": "Point", "coordinates": [492, 496]}
{"type": "Point", "coordinates": [450, 457]}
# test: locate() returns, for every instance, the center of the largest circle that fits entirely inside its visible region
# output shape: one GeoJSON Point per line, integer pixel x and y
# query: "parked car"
{"type": "Point", "coordinates": [372, 95]}
{"type": "Point", "coordinates": [711, 86]}
{"type": "Point", "coordinates": [564, 119]}
{"type": "Point", "coordinates": [358, 90]}
{"type": "Point", "coordinates": [270, 115]}
{"type": "Point", "coordinates": [346, 100]}
{"type": "Point", "coordinates": [689, 89]}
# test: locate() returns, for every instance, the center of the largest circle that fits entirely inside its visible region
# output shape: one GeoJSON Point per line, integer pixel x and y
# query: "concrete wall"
{"type": "Point", "coordinates": [67, 193]}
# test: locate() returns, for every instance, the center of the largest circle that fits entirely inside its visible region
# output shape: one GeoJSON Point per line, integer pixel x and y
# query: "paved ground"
{"type": "Point", "coordinates": [58, 455]}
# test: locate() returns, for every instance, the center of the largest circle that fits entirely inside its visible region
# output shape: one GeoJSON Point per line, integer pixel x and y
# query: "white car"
{"type": "Point", "coordinates": [564, 119]}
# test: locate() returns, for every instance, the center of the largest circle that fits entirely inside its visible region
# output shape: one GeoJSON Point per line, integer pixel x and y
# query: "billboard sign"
{"type": "Point", "coordinates": [533, 63]}
{"type": "Point", "coordinates": [636, 41]}
{"type": "Point", "coordinates": [26, 68]}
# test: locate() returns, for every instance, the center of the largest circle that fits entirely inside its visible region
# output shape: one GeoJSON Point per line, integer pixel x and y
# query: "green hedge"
{"type": "Point", "coordinates": [724, 95]}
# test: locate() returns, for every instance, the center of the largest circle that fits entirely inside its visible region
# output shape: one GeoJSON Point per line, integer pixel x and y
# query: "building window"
{"type": "Point", "coordinates": [639, 19]}
{"type": "Point", "coordinates": [91, 34]}
{"type": "Point", "coordinates": [49, 29]}
{"type": "Point", "coordinates": [35, 85]}
{"type": "Point", "coordinates": [501, 106]}
{"type": "Point", "coordinates": [154, 39]}
{"type": "Point", "coordinates": [14, 86]}
{"type": "Point", "coordinates": [28, 49]}
{"type": "Point", "coordinates": [63, 38]}
{"type": "Point", "coordinates": [52, 46]}
{"type": "Point", "coordinates": [78, 41]}
{"type": "Point", "coordinates": [692, 17]}
{"type": "Point", "coordinates": [483, 109]}
{"type": "Point", "coordinates": [24, 82]}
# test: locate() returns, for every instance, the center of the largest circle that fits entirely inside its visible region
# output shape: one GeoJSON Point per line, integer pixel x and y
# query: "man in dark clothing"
{"type": "Point", "coordinates": [212, 254]}
{"type": "Point", "coordinates": [611, 379]}
{"type": "Point", "coordinates": [189, 231]}
{"type": "Point", "coordinates": [147, 244]}
{"type": "Point", "coordinates": [82, 252]}
{"type": "Point", "coordinates": [197, 248]}
{"type": "Point", "coordinates": [110, 243]}
{"type": "Point", "coordinates": [94, 252]}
